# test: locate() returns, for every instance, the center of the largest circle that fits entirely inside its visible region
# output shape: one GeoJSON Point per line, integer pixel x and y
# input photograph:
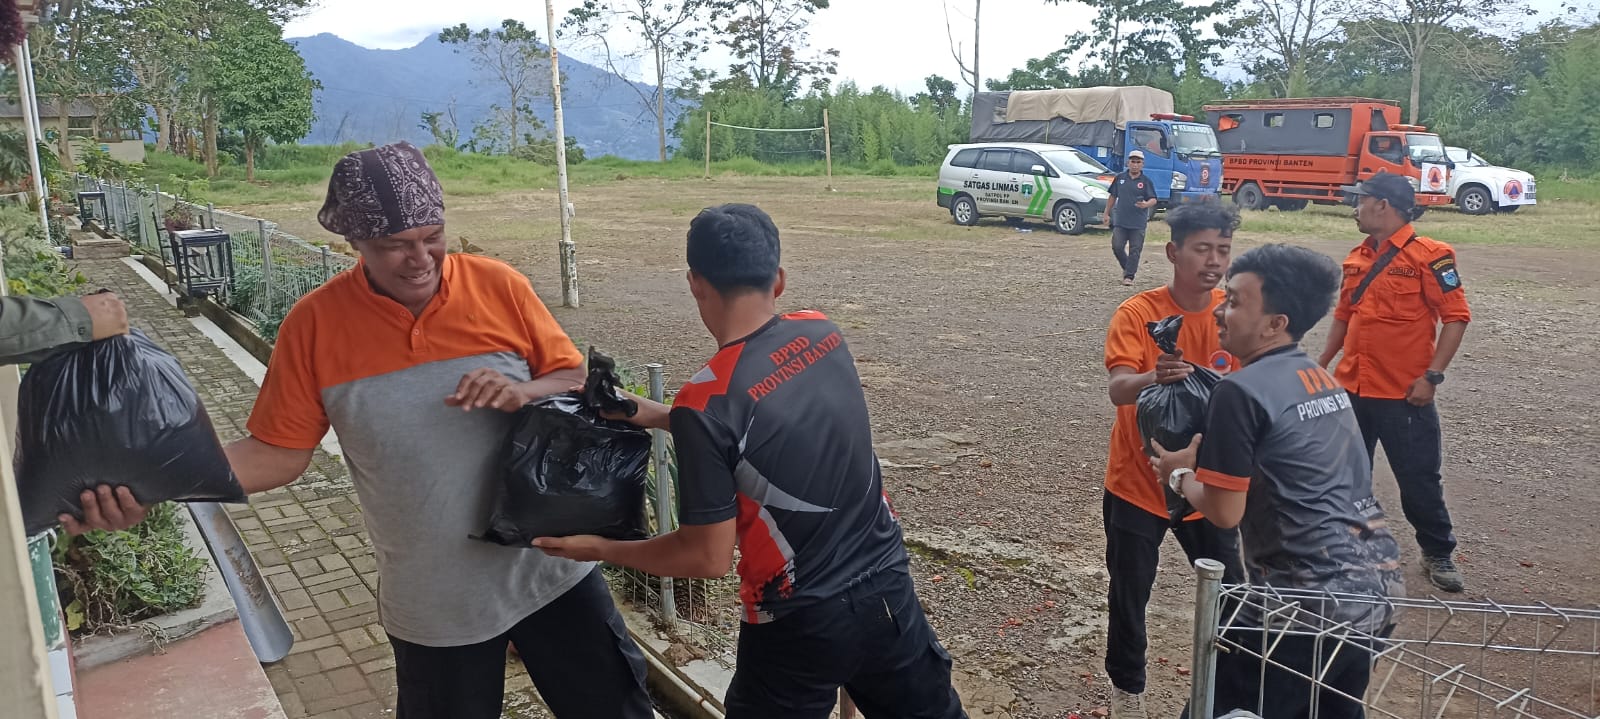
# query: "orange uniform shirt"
{"type": "Point", "coordinates": [1392, 331]}
{"type": "Point", "coordinates": [1128, 344]}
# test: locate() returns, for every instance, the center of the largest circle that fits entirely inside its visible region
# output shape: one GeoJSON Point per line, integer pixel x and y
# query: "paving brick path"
{"type": "Point", "coordinates": [308, 539]}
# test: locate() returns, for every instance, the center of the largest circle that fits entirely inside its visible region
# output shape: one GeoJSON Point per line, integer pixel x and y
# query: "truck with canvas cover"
{"type": "Point", "coordinates": [1288, 153]}
{"type": "Point", "coordinates": [1106, 123]}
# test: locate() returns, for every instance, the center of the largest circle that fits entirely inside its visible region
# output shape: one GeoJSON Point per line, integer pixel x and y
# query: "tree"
{"type": "Point", "coordinates": [263, 89]}
{"type": "Point", "coordinates": [969, 74]}
{"type": "Point", "coordinates": [768, 41]}
{"type": "Point", "coordinates": [443, 126]}
{"type": "Point", "coordinates": [1147, 41]}
{"type": "Point", "coordinates": [1410, 28]}
{"type": "Point", "coordinates": [1285, 37]}
{"type": "Point", "coordinates": [513, 55]}
{"type": "Point", "coordinates": [669, 34]}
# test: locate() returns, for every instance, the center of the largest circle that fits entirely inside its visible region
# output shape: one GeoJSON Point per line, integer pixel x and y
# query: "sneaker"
{"type": "Point", "coordinates": [1127, 281]}
{"type": "Point", "coordinates": [1126, 706]}
{"type": "Point", "coordinates": [1443, 573]}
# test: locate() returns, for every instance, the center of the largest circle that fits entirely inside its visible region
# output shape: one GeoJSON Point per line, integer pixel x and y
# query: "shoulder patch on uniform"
{"type": "Point", "coordinates": [1444, 270]}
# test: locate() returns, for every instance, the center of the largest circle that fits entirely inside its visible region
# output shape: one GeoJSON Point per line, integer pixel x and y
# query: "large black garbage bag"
{"type": "Point", "coordinates": [1172, 414]}
{"type": "Point", "coordinates": [567, 470]}
{"type": "Point", "coordinates": [120, 412]}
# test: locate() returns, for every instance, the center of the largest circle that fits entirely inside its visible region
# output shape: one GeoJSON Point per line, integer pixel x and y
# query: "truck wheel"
{"type": "Point", "coordinates": [964, 211]}
{"type": "Point", "coordinates": [1250, 197]}
{"type": "Point", "coordinates": [1475, 201]}
{"type": "Point", "coordinates": [1069, 218]}
{"type": "Point", "coordinates": [1291, 205]}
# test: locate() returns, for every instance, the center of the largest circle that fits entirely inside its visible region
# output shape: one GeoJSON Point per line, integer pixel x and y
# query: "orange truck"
{"type": "Point", "coordinates": [1288, 153]}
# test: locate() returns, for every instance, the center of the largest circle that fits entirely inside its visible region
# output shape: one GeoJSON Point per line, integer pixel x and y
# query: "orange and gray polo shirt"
{"type": "Point", "coordinates": [1393, 329]}
{"type": "Point", "coordinates": [425, 473]}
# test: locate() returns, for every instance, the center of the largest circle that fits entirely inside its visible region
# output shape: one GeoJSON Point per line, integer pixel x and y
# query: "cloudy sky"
{"type": "Point", "coordinates": [881, 42]}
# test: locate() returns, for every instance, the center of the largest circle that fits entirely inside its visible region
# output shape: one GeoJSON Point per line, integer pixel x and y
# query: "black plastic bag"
{"type": "Point", "coordinates": [600, 389]}
{"type": "Point", "coordinates": [566, 470]}
{"type": "Point", "coordinates": [1172, 414]}
{"type": "Point", "coordinates": [120, 412]}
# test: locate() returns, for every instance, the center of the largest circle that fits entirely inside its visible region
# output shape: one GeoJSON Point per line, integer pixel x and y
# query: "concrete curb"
{"type": "Point", "coordinates": [216, 606]}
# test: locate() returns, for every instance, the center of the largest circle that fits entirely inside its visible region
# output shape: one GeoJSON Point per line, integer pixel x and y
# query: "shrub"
{"type": "Point", "coordinates": [113, 579]}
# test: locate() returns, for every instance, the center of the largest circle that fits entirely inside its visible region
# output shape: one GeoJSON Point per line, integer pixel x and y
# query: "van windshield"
{"type": "Point", "coordinates": [1425, 148]}
{"type": "Point", "coordinates": [1073, 162]}
{"type": "Point", "coordinates": [1194, 139]}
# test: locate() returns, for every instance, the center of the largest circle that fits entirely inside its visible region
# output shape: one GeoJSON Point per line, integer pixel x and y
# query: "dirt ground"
{"type": "Point", "coordinates": [980, 351]}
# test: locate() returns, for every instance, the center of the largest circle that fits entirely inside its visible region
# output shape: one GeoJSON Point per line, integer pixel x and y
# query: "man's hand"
{"type": "Point", "coordinates": [579, 548]}
{"type": "Point", "coordinates": [487, 388]}
{"type": "Point", "coordinates": [1142, 204]}
{"type": "Point", "coordinates": [107, 314]}
{"type": "Point", "coordinates": [651, 414]}
{"type": "Point", "coordinates": [1421, 392]}
{"type": "Point", "coordinates": [1171, 368]}
{"type": "Point", "coordinates": [106, 510]}
{"type": "Point", "coordinates": [1167, 460]}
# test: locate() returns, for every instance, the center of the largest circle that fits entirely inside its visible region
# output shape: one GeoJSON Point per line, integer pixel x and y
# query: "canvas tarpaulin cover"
{"type": "Point", "coordinates": [1090, 116]}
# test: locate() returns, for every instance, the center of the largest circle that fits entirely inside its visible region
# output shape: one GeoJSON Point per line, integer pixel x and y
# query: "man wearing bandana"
{"type": "Point", "coordinates": [416, 358]}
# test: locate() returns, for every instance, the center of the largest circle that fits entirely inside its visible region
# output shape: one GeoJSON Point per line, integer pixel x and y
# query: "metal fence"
{"type": "Point", "coordinates": [270, 274]}
{"type": "Point", "coordinates": [272, 269]}
{"type": "Point", "coordinates": [1446, 659]}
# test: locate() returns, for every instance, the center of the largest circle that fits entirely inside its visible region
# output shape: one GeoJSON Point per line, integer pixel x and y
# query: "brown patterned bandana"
{"type": "Point", "coordinates": [380, 192]}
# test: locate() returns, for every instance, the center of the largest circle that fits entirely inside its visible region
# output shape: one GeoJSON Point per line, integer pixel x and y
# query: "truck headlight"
{"type": "Point", "coordinates": [1179, 181]}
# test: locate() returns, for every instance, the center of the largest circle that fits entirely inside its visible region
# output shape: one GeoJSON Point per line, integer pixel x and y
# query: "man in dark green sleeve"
{"type": "Point", "coordinates": [33, 328]}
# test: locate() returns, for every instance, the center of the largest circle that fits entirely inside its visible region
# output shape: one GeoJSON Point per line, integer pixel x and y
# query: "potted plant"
{"type": "Point", "coordinates": [178, 217]}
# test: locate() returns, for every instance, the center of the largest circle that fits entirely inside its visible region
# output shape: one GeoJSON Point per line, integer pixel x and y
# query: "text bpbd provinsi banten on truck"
{"type": "Point", "coordinates": [1287, 153]}
{"type": "Point", "coordinates": [1106, 123]}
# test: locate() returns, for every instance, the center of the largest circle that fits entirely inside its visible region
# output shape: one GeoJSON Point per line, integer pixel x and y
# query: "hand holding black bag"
{"type": "Point", "coordinates": [567, 470]}
{"type": "Point", "coordinates": [1172, 414]}
{"type": "Point", "coordinates": [117, 412]}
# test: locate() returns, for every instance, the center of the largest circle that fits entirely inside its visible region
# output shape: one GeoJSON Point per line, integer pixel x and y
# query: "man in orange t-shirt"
{"type": "Point", "coordinates": [1135, 510]}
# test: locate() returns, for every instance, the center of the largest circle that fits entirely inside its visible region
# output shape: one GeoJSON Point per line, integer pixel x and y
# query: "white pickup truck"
{"type": "Point", "coordinates": [1481, 188]}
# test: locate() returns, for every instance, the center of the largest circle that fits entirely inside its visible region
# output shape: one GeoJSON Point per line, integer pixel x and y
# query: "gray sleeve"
{"type": "Point", "coordinates": [32, 328]}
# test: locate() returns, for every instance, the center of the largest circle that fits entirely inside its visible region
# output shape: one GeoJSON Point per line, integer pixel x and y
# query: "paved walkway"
{"type": "Point", "coordinates": [308, 539]}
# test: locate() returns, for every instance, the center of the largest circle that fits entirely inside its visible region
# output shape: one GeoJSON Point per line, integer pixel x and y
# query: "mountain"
{"type": "Point", "coordinates": [379, 96]}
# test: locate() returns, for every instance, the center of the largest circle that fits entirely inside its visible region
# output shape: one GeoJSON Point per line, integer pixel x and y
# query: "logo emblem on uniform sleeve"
{"type": "Point", "coordinates": [1444, 270]}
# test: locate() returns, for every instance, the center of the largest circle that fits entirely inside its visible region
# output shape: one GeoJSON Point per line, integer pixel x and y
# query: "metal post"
{"type": "Point", "coordinates": [569, 253]}
{"type": "Point", "coordinates": [30, 111]}
{"type": "Point", "coordinates": [708, 144]}
{"type": "Point", "coordinates": [211, 216]}
{"type": "Point", "coordinates": [266, 266]}
{"type": "Point", "coordinates": [326, 272]}
{"type": "Point", "coordinates": [1203, 680]}
{"type": "Point", "coordinates": [663, 498]}
{"type": "Point", "coordinates": [827, 147]}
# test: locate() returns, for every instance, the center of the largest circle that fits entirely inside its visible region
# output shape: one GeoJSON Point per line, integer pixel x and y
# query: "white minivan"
{"type": "Point", "coordinates": [1024, 180]}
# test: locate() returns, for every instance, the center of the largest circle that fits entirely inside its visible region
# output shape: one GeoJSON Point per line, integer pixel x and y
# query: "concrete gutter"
{"type": "Point", "coordinates": [679, 692]}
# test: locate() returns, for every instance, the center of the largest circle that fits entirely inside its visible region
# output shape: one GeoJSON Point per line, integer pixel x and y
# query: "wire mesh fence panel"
{"type": "Point", "coordinates": [1444, 659]}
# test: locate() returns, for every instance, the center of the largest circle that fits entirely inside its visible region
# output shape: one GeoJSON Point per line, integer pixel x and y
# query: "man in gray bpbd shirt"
{"type": "Point", "coordinates": [1132, 196]}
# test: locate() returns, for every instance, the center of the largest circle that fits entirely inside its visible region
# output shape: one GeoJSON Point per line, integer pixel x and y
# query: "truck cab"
{"type": "Point", "coordinates": [1180, 156]}
{"type": "Point", "coordinates": [1407, 151]}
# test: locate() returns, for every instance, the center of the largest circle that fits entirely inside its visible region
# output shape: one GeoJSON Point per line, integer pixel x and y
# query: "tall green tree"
{"type": "Point", "coordinates": [666, 35]}
{"type": "Point", "coordinates": [1148, 41]}
{"type": "Point", "coordinates": [1283, 39]}
{"type": "Point", "coordinates": [263, 89]}
{"type": "Point", "coordinates": [513, 55]}
{"type": "Point", "coordinates": [770, 43]}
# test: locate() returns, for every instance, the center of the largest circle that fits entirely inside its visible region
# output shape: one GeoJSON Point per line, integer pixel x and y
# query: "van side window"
{"type": "Point", "coordinates": [966, 158]}
{"type": "Point", "coordinates": [1150, 140]}
{"type": "Point", "coordinates": [997, 160]}
{"type": "Point", "coordinates": [1272, 119]}
{"type": "Point", "coordinates": [1324, 120]}
{"type": "Point", "coordinates": [1022, 163]}
{"type": "Point", "coordinates": [1387, 148]}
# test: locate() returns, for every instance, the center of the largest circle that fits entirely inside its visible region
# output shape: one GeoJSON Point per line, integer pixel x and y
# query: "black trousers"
{"type": "Point", "coordinates": [1413, 443]}
{"type": "Point", "coordinates": [576, 649]}
{"type": "Point", "coordinates": [1133, 551]}
{"type": "Point", "coordinates": [1280, 692]}
{"type": "Point", "coordinates": [872, 639]}
{"type": "Point", "coordinates": [1127, 244]}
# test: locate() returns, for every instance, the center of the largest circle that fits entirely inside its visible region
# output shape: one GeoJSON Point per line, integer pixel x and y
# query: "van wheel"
{"type": "Point", "coordinates": [1250, 197]}
{"type": "Point", "coordinates": [1291, 205]}
{"type": "Point", "coordinates": [964, 211]}
{"type": "Point", "coordinates": [1069, 218]}
{"type": "Point", "coordinates": [1475, 201]}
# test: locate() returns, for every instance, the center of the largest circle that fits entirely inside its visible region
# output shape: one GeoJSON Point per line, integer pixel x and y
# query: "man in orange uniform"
{"type": "Point", "coordinates": [1135, 511]}
{"type": "Point", "coordinates": [1399, 288]}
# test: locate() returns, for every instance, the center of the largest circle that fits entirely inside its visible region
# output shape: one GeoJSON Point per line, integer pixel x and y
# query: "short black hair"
{"type": "Point", "coordinates": [734, 247]}
{"type": "Point", "coordinates": [1185, 220]}
{"type": "Point", "coordinates": [1295, 281]}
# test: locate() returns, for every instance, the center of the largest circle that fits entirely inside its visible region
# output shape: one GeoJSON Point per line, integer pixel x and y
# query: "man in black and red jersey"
{"type": "Point", "coordinates": [775, 453]}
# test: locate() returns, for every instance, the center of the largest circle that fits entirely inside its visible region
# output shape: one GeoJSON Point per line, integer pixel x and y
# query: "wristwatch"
{"type": "Point", "coordinates": [1175, 480]}
{"type": "Point", "coordinates": [1434, 378]}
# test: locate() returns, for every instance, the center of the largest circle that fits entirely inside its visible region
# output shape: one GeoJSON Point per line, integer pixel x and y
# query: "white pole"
{"type": "Point", "coordinates": [33, 87]}
{"type": "Point", "coordinates": [30, 122]}
{"type": "Point", "coordinates": [568, 251]}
